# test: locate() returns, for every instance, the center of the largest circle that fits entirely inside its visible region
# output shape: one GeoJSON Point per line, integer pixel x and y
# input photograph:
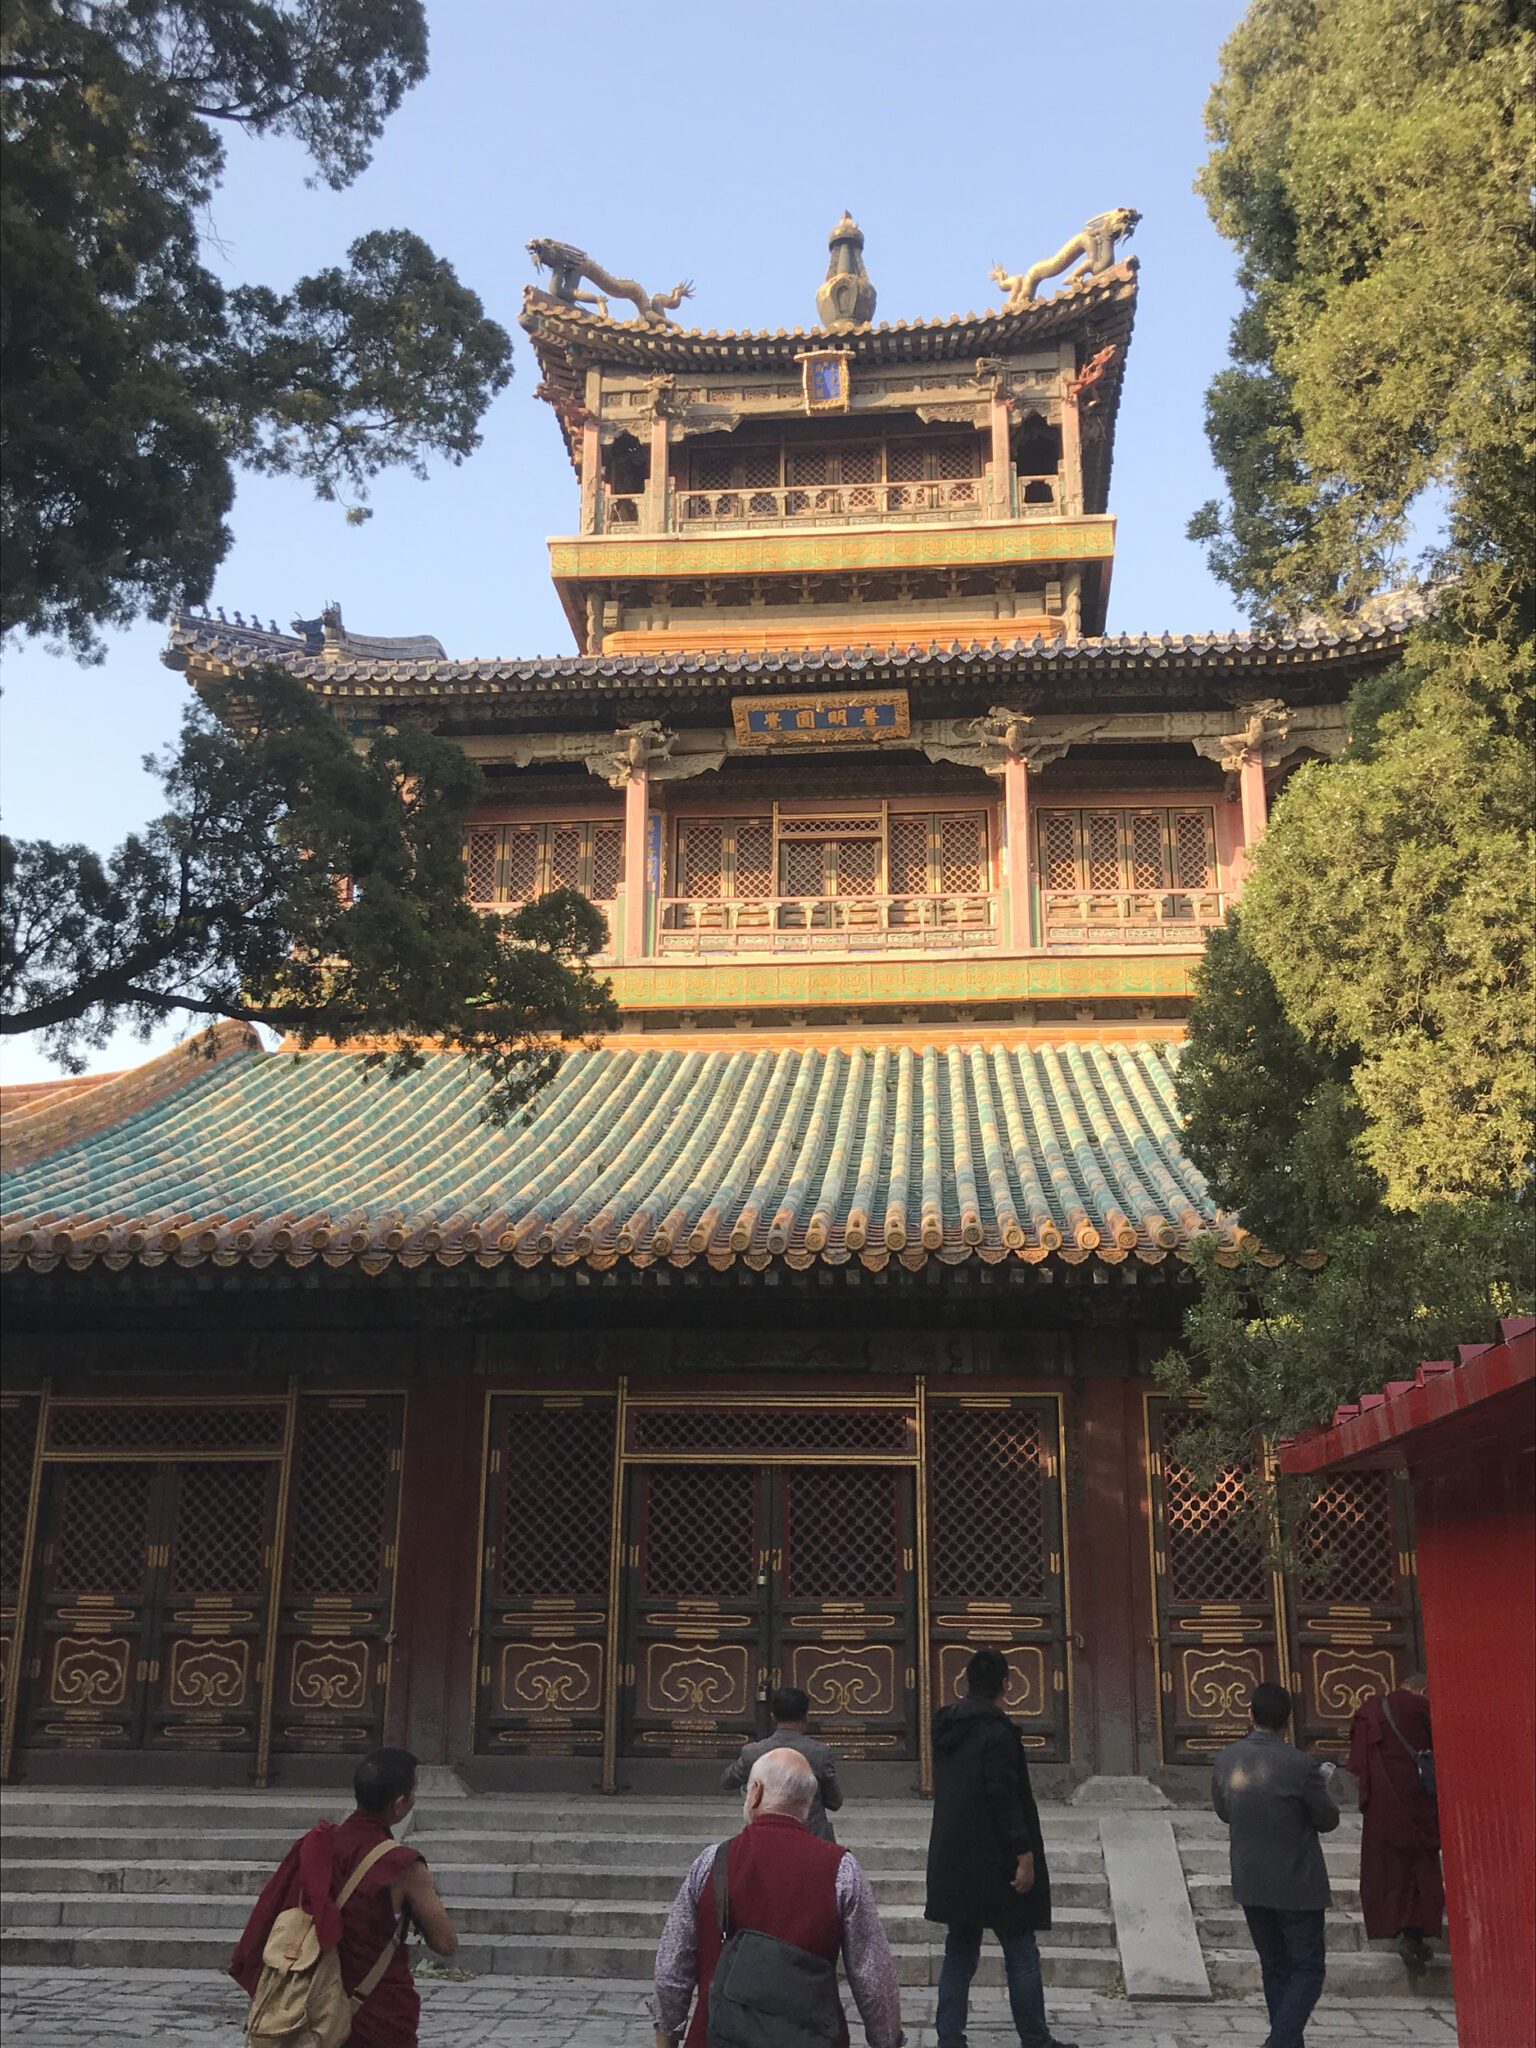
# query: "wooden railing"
{"type": "Point", "coordinates": [742, 505]}
{"type": "Point", "coordinates": [827, 924]}
{"type": "Point", "coordinates": [1129, 917]}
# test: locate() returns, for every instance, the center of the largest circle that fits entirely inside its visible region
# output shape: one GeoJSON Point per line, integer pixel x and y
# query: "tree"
{"type": "Point", "coordinates": [300, 882]}
{"type": "Point", "coordinates": [1358, 1081]}
{"type": "Point", "coordinates": [134, 382]}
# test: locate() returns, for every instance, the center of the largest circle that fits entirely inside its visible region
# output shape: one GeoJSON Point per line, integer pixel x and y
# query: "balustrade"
{"type": "Point", "coordinates": [820, 504]}
{"type": "Point", "coordinates": [830, 924]}
{"type": "Point", "coordinates": [1129, 917]}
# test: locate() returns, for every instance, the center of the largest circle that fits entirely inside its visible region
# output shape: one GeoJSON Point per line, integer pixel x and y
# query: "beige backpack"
{"type": "Point", "coordinates": [300, 2001]}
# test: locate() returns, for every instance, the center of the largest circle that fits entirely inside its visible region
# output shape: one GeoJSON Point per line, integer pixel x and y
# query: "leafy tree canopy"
{"type": "Point", "coordinates": [298, 881]}
{"type": "Point", "coordinates": [134, 380]}
{"type": "Point", "coordinates": [1359, 1073]}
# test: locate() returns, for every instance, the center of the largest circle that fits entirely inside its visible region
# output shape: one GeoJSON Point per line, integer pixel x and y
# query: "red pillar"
{"type": "Point", "coordinates": [1254, 799]}
{"type": "Point", "coordinates": [1002, 456]}
{"type": "Point", "coordinates": [656, 501]}
{"type": "Point", "coordinates": [1111, 1590]}
{"type": "Point", "coordinates": [636, 810]}
{"type": "Point", "coordinates": [430, 1701]}
{"type": "Point", "coordinates": [1016, 833]}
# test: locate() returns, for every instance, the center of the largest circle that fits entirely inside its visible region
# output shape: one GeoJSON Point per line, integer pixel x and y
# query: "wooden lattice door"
{"type": "Point", "coordinates": [18, 1444]}
{"type": "Point", "coordinates": [1350, 1602]}
{"type": "Point", "coordinates": [996, 1559]}
{"type": "Point", "coordinates": [152, 1598]}
{"type": "Point", "coordinates": [336, 1624]}
{"type": "Point", "coordinates": [1217, 1621]}
{"type": "Point", "coordinates": [541, 1673]}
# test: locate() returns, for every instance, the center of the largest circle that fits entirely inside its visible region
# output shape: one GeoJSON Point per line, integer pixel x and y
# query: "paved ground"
{"type": "Point", "coordinates": [188, 2009]}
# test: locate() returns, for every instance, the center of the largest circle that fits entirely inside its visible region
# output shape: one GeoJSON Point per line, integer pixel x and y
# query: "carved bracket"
{"type": "Point", "coordinates": [989, 743]}
{"type": "Point", "coordinates": [1265, 737]}
{"type": "Point", "coordinates": [639, 745]}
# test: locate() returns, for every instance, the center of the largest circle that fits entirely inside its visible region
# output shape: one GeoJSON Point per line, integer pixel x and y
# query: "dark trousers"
{"type": "Point", "coordinates": [1292, 1962]}
{"type": "Point", "coordinates": [1026, 1993]}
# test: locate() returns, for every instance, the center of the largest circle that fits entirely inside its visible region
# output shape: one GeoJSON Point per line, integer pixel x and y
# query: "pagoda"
{"type": "Point", "coordinates": [803, 1332]}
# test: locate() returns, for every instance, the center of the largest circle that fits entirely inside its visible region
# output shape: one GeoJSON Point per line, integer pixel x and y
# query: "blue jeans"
{"type": "Point", "coordinates": [1293, 1962]}
{"type": "Point", "coordinates": [1026, 1993]}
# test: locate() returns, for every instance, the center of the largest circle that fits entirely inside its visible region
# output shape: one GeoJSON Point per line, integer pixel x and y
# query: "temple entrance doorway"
{"type": "Point", "coordinates": [743, 1578]}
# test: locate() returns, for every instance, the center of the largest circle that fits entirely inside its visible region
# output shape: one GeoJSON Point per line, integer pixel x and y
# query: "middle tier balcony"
{"type": "Point", "coordinates": [828, 924]}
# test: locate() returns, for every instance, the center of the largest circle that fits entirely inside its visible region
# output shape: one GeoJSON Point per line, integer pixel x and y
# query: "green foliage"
{"type": "Point", "coordinates": [298, 881]}
{"type": "Point", "coordinates": [1359, 1074]}
{"type": "Point", "coordinates": [133, 381]}
{"type": "Point", "coordinates": [1373, 165]}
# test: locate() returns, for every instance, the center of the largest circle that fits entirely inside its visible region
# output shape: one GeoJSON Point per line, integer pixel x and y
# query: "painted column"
{"type": "Point", "coordinates": [591, 473]}
{"type": "Point", "coordinates": [1250, 782]}
{"type": "Point", "coordinates": [1071, 438]}
{"type": "Point", "coordinates": [656, 493]}
{"type": "Point", "coordinates": [1016, 827]}
{"type": "Point", "coordinates": [1002, 455]}
{"type": "Point", "coordinates": [637, 798]}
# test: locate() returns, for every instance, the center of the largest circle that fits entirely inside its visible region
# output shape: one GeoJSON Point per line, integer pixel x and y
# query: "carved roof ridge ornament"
{"type": "Point", "coordinates": [1095, 243]}
{"type": "Point", "coordinates": [567, 266]}
{"type": "Point", "coordinates": [847, 297]}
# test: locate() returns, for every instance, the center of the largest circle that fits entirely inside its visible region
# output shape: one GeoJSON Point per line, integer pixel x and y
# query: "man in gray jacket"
{"type": "Point", "coordinates": [791, 1708]}
{"type": "Point", "coordinates": [1276, 1802]}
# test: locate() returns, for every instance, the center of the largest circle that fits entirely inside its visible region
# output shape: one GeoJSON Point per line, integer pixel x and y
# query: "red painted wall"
{"type": "Point", "coordinates": [1477, 1581]}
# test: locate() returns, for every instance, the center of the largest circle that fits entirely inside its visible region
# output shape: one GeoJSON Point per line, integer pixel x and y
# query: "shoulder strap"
{"type": "Point", "coordinates": [379, 1849]}
{"type": "Point", "coordinates": [370, 1983]}
{"type": "Point", "coordinates": [1392, 1724]}
{"type": "Point", "coordinates": [721, 1872]}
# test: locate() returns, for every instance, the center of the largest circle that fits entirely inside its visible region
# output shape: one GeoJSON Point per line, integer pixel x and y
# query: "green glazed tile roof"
{"type": "Point", "coordinates": [948, 1150]}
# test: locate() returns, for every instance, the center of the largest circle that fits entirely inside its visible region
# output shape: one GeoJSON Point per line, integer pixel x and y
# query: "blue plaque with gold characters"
{"type": "Point", "coordinates": [827, 384]}
{"type": "Point", "coordinates": [813, 721]}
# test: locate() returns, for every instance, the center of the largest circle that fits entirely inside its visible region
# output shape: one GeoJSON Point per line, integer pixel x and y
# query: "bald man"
{"type": "Point", "coordinates": [785, 1882]}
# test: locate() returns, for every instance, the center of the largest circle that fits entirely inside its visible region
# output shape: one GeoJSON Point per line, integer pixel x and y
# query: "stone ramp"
{"type": "Point", "coordinates": [1357, 1968]}
{"type": "Point", "coordinates": [554, 1888]}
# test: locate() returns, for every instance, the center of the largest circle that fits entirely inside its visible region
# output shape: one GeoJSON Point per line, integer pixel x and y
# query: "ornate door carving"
{"type": "Point", "coordinates": [542, 1668]}
{"type": "Point", "coordinates": [843, 1593]}
{"type": "Point", "coordinates": [152, 1594]}
{"type": "Point", "coordinates": [1216, 1600]}
{"type": "Point", "coordinates": [335, 1628]}
{"type": "Point", "coordinates": [698, 1560]}
{"type": "Point", "coordinates": [1350, 1603]}
{"type": "Point", "coordinates": [996, 1556]}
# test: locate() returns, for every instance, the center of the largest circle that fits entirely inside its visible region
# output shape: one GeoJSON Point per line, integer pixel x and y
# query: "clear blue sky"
{"type": "Point", "coordinates": [702, 139]}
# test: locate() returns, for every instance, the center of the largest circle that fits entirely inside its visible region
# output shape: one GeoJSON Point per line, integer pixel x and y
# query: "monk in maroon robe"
{"type": "Point", "coordinates": [1401, 1889]}
{"type": "Point", "coordinates": [398, 1888]}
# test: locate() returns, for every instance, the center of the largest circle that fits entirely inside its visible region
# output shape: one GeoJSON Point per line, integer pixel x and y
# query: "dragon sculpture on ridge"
{"type": "Point", "coordinates": [1095, 243]}
{"type": "Point", "coordinates": [567, 267]}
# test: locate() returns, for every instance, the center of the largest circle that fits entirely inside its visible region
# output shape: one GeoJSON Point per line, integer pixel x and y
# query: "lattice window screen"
{"type": "Point", "coordinates": [220, 1528]}
{"type": "Point", "coordinates": [341, 1512]}
{"type": "Point", "coordinates": [760, 468]}
{"type": "Point", "coordinates": [988, 1504]}
{"type": "Point", "coordinates": [754, 859]}
{"type": "Point", "coordinates": [480, 861]}
{"type": "Point", "coordinates": [769, 1430]}
{"type": "Point", "coordinates": [711, 470]}
{"type": "Point", "coordinates": [841, 1533]}
{"type": "Point", "coordinates": [103, 1527]}
{"type": "Point", "coordinates": [700, 1538]}
{"type": "Point", "coordinates": [860, 465]}
{"type": "Point", "coordinates": [18, 1437]}
{"type": "Point", "coordinates": [1147, 850]}
{"type": "Point", "coordinates": [805, 868]}
{"type": "Point", "coordinates": [904, 462]}
{"type": "Point", "coordinates": [703, 859]}
{"type": "Point", "coordinates": [1101, 837]}
{"type": "Point", "coordinates": [909, 856]}
{"type": "Point", "coordinates": [522, 863]}
{"type": "Point", "coordinates": [164, 1429]}
{"type": "Point", "coordinates": [957, 459]}
{"type": "Point", "coordinates": [1058, 849]}
{"type": "Point", "coordinates": [565, 857]}
{"type": "Point", "coordinates": [858, 867]}
{"type": "Point", "coordinates": [556, 1504]}
{"type": "Point", "coordinates": [607, 861]}
{"type": "Point", "coordinates": [1208, 1539]}
{"type": "Point", "coordinates": [1345, 1544]}
{"type": "Point", "coordinates": [808, 466]}
{"type": "Point", "coordinates": [962, 855]}
{"type": "Point", "coordinates": [1193, 853]}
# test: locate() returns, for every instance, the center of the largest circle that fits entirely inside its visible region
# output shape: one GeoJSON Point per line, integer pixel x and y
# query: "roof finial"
{"type": "Point", "coordinates": [847, 298]}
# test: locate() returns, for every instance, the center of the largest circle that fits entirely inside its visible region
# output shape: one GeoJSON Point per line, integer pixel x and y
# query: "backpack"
{"type": "Point", "coordinates": [767, 1993]}
{"type": "Point", "coordinates": [300, 2000]}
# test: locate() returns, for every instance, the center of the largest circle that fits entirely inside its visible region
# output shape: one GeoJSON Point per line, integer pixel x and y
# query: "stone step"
{"type": "Point", "coordinates": [1343, 1863]}
{"type": "Point", "coordinates": [1357, 1973]}
{"type": "Point", "coordinates": [1090, 1969]}
{"type": "Point", "coordinates": [597, 1921]}
{"type": "Point", "coordinates": [1344, 1931]}
{"type": "Point", "coordinates": [1211, 1894]}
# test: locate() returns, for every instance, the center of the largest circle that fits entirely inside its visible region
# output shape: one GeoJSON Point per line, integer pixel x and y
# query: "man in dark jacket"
{"type": "Point", "coordinates": [986, 1857]}
{"type": "Point", "coordinates": [1275, 1800]}
{"type": "Point", "coordinates": [790, 1708]}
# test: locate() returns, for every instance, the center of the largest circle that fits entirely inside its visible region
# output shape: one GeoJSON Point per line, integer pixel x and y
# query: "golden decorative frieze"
{"type": "Point", "coordinates": [766, 554]}
{"type": "Point", "coordinates": [800, 983]}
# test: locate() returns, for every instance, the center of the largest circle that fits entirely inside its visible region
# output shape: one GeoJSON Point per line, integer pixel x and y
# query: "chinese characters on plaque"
{"type": "Point", "coordinates": [827, 384]}
{"type": "Point", "coordinates": [769, 721]}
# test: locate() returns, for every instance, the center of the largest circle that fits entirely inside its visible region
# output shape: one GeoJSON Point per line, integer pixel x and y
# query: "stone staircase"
{"type": "Point", "coordinates": [1356, 1967]}
{"type": "Point", "coordinates": [539, 1887]}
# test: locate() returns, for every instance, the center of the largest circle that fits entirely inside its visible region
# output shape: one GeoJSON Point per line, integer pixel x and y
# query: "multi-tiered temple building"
{"type": "Point", "coordinates": [804, 1332]}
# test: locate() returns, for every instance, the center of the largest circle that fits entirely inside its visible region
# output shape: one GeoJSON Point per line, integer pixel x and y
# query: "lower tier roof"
{"type": "Point", "coordinates": [950, 1150]}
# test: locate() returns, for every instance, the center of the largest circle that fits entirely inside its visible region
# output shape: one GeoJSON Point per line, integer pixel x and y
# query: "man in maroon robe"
{"type": "Point", "coordinates": [1401, 1889]}
{"type": "Point", "coordinates": [397, 1890]}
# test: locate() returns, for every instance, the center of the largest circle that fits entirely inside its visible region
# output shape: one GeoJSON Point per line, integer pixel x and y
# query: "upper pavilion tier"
{"type": "Point", "coordinates": [846, 484]}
